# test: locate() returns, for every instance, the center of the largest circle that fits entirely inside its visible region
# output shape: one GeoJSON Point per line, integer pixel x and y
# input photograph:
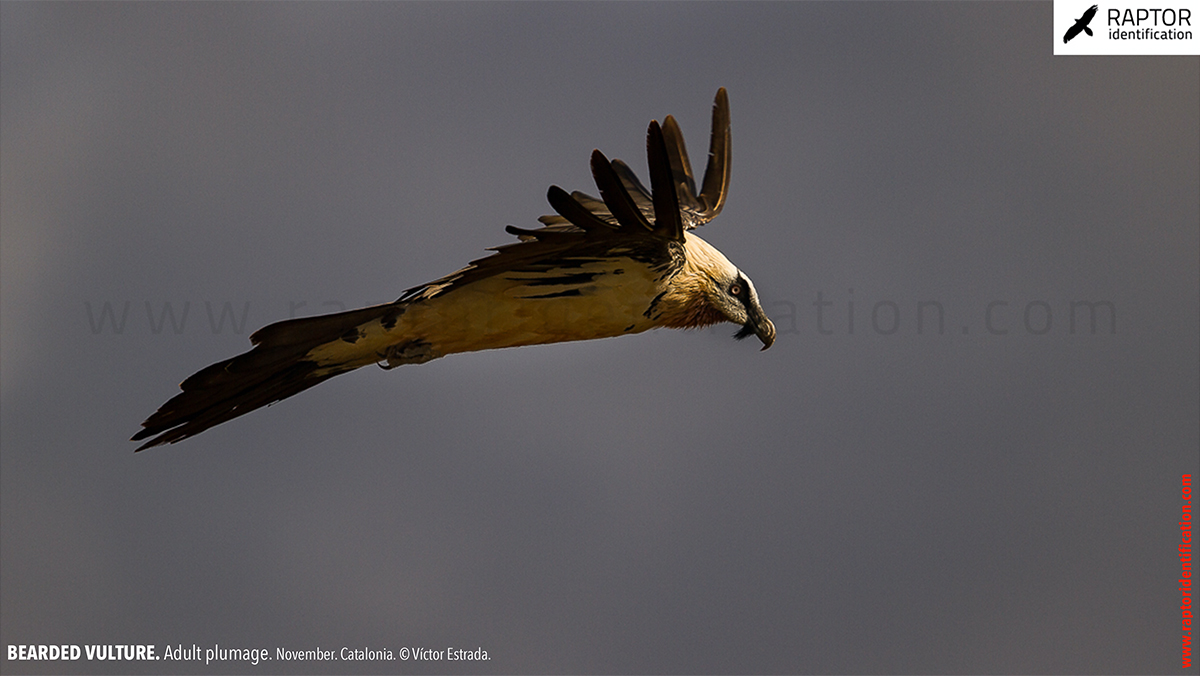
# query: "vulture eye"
{"type": "Point", "coordinates": [735, 289]}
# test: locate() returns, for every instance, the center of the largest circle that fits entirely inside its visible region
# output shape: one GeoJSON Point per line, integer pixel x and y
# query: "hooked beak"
{"type": "Point", "coordinates": [759, 324]}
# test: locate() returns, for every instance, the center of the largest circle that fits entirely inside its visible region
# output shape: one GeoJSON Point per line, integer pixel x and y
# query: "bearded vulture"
{"type": "Point", "coordinates": [623, 263]}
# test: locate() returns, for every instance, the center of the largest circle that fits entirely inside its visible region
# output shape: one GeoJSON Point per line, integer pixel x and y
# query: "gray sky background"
{"type": "Point", "coordinates": [846, 502]}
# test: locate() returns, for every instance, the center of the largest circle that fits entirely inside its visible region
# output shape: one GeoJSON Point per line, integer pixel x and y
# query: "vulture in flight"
{"type": "Point", "coordinates": [623, 263]}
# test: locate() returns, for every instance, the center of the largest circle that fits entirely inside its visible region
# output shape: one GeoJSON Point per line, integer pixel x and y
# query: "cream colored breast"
{"type": "Point", "coordinates": [577, 302]}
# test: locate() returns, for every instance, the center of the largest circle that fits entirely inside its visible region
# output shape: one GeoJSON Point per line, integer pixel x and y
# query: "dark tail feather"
{"type": "Point", "coordinates": [274, 370]}
{"type": "Point", "coordinates": [193, 411]}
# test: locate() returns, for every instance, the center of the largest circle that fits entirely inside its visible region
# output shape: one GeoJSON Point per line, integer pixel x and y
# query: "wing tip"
{"type": "Point", "coordinates": [668, 220]}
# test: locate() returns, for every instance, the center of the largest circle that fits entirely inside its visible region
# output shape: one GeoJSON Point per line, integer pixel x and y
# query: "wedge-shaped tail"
{"type": "Point", "coordinates": [275, 369]}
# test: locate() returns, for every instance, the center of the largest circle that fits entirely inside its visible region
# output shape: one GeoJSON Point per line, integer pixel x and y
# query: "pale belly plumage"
{"type": "Point", "coordinates": [580, 301]}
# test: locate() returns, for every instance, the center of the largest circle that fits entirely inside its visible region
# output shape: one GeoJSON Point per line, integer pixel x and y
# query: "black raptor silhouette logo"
{"type": "Point", "coordinates": [1081, 24]}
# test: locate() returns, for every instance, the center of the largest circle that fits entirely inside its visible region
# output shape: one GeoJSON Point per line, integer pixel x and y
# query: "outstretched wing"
{"type": "Point", "coordinates": [627, 219]}
{"type": "Point", "coordinates": [695, 209]}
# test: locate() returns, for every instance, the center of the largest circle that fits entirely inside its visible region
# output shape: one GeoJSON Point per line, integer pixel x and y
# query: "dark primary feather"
{"type": "Point", "coordinates": [668, 221]}
{"type": "Point", "coordinates": [573, 211]}
{"type": "Point", "coordinates": [695, 208]}
{"type": "Point", "coordinates": [717, 171]}
{"type": "Point", "coordinates": [681, 166]}
{"type": "Point", "coordinates": [639, 193]}
{"type": "Point", "coordinates": [616, 197]}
